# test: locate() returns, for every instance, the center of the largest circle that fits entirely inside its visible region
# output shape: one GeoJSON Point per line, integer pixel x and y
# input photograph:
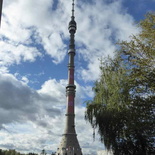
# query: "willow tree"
{"type": "Point", "coordinates": [122, 109]}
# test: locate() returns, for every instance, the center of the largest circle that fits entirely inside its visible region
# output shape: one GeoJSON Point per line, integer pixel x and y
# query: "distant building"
{"type": "Point", "coordinates": [104, 152]}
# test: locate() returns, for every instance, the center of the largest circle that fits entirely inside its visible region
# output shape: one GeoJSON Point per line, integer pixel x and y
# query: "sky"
{"type": "Point", "coordinates": [34, 41]}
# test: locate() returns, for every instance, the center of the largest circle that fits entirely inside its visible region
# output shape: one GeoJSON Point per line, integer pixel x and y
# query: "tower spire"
{"type": "Point", "coordinates": [69, 144]}
{"type": "Point", "coordinates": [73, 8]}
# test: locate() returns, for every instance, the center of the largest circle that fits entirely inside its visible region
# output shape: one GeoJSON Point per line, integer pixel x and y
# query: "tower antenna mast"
{"type": "Point", "coordinates": [73, 9]}
{"type": "Point", "coordinates": [69, 144]}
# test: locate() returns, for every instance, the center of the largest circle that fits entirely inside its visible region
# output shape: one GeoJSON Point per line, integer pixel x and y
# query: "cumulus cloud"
{"type": "Point", "coordinates": [101, 25]}
{"type": "Point", "coordinates": [21, 103]}
{"type": "Point", "coordinates": [58, 47]}
{"type": "Point", "coordinates": [32, 29]}
{"type": "Point", "coordinates": [31, 120]}
{"type": "Point", "coordinates": [29, 23]}
{"type": "Point", "coordinates": [31, 113]}
{"type": "Point", "coordinates": [14, 54]}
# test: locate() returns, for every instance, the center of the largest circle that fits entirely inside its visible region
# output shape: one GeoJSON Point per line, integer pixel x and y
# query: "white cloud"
{"type": "Point", "coordinates": [3, 69]}
{"type": "Point", "coordinates": [30, 27]}
{"type": "Point", "coordinates": [101, 25]}
{"type": "Point", "coordinates": [27, 13]}
{"type": "Point", "coordinates": [27, 115]}
{"type": "Point", "coordinates": [58, 50]}
{"type": "Point", "coordinates": [92, 72]}
{"type": "Point", "coordinates": [104, 152]}
{"type": "Point", "coordinates": [55, 91]}
{"type": "Point", "coordinates": [25, 80]}
{"type": "Point", "coordinates": [26, 22]}
{"type": "Point", "coordinates": [20, 103]}
{"type": "Point", "coordinates": [15, 54]}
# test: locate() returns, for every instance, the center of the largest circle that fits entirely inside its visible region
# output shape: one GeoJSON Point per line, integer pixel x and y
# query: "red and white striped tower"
{"type": "Point", "coordinates": [69, 144]}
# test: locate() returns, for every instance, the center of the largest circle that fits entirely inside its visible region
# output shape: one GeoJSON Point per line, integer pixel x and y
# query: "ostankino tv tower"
{"type": "Point", "coordinates": [69, 144]}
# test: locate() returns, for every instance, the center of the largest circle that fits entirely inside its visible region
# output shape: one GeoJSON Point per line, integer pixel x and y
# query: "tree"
{"type": "Point", "coordinates": [43, 152]}
{"type": "Point", "coordinates": [124, 102]}
{"type": "Point", "coordinates": [13, 152]}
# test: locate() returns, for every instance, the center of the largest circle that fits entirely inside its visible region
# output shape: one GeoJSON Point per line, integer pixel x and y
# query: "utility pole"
{"type": "Point", "coordinates": [1, 3]}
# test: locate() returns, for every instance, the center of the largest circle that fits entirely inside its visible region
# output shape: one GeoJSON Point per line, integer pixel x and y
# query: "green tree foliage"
{"type": "Point", "coordinates": [43, 152]}
{"type": "Point", "coordinates": [123, 109]}
{"type": "Point", "coordinates": [13, 152]}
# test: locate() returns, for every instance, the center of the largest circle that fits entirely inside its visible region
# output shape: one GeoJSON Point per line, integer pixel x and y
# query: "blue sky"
{"type": "Point", "coordinates": [33, 65]}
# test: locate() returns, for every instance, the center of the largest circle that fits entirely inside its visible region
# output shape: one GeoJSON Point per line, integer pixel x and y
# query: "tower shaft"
{"type": "Point", "coordinates": [69, 144]}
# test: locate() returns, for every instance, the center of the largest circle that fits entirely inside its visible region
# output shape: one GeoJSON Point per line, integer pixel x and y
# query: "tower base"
{"type": "Point", "coordinates": [69, 145]}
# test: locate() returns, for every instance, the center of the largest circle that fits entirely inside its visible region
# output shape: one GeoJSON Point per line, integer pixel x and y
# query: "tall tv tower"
{"type": "Point", "coordinates": [69, 144]}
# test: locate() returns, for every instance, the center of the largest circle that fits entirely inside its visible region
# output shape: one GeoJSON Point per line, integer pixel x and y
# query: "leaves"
{"type": "Point", "coordinates": [124, 103]}
{"type": "Point", "coordinates": [13, 152]}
